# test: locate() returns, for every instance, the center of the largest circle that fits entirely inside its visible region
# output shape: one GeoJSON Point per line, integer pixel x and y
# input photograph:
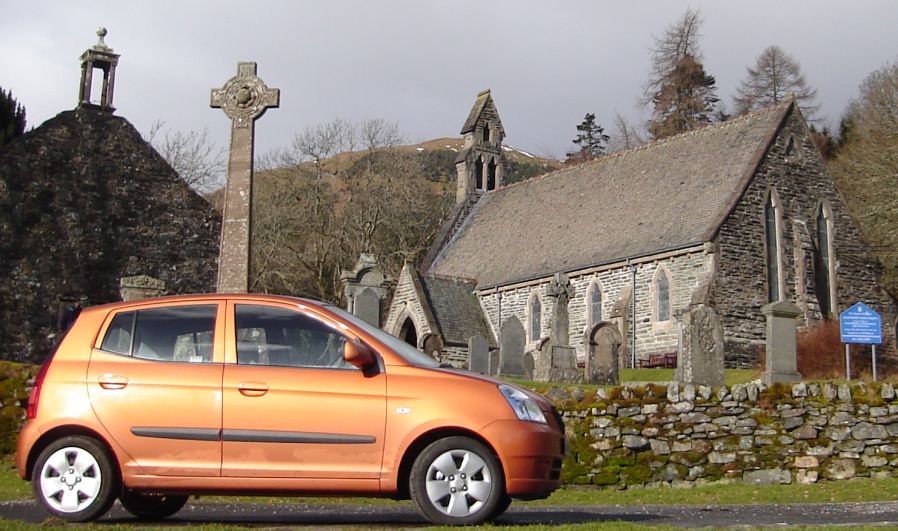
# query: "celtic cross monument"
{"type": "Point", "coordinates": [244, 98]}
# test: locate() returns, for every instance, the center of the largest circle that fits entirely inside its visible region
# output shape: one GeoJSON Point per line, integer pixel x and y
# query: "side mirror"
{"type": "Point", "coordinates": [359, 354]}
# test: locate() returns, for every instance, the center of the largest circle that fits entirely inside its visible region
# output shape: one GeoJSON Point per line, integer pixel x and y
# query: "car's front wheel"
{"type": "Point", "coordinates": [151, 506]}
{"type": "Point", "coordinates": [457, 481]}
{"type": "Point", "coordinates": [74, 478]}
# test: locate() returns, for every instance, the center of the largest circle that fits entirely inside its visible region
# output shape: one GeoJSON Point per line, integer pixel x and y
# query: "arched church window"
{"type": "Point", "coordinates": [536, 309]}
{"type": "Point", "coordinates": [823, 265]}
{"type": "Point", "coordinates": [491, 175]}
{"type": "Point", "coordinates": [478, 173]}
{"type": "Point", "coordinates": [486, 133]}
{"type": "Point", "coordinates": [663, 290]}
{"type": "Point", "coordinates": [772, 216]}
{"type": "Point", "coordinates": [595, 304]}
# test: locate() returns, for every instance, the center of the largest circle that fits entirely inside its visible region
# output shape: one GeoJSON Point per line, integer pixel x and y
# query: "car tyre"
{"type": "Point", "coordinates": [151, 506]}
{"type": "Point", "coordinates": [75, 479]}
{"type": "Point", "coordinates": [457, 481]}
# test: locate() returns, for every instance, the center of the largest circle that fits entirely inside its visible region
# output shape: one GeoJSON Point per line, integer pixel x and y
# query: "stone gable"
{"type": "Point", "coordinates": [88, 202]}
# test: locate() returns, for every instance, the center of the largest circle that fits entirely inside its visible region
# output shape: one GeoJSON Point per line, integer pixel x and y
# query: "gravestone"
{"type": "Point", "coordinates": [620, 317]}
{"type": "Point", "coordinates": [556, 363]}
{"type": "Point", "coordinates": [511, 349]}
{"type": "Point", "coordinates": [561, 290]}
{"type": "Point", "coordinates": [140, 287]}
{"type": "Point", "coordinates": [365, 287]}
{"type": "Point", "coordinates": [700, 348]}
{"type": "Point", "coordinates": [243, 98]}
{"type": "Point", "coordinates": [494, 362]}
{"type": "Point", "coordinates": [602, 355]}
{"type": "Point", "coordinates": [782, 358]}
{"type": "Point", "coordinates": [478, 355]}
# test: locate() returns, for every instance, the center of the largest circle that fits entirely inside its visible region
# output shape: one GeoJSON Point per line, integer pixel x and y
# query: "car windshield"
{"type": "Point", "coordinates": [410, 353]}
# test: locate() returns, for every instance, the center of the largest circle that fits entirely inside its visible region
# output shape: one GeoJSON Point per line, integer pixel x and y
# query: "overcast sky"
{"type": "Point", "coordinates": [421, 63]}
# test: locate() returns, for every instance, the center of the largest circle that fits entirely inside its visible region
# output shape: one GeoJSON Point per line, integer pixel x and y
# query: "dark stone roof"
{"type": "Point", "coordinates": [479, 104]}
{"type": "Point", "coordinates": [456, 309]}
{"type": "Point", "coordinates": [664, 195]}
{"type": "Point", "coordinates": [84, 201]}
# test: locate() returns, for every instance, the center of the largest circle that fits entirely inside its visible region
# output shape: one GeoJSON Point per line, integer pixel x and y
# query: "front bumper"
{"type": "Point", "coordinates": [531, 455]}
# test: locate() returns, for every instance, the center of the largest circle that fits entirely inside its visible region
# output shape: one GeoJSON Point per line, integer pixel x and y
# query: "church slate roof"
{"type": "Point", "coordinates": [665, 195]}
{"type": "Point", "coordinates": [455, 308]}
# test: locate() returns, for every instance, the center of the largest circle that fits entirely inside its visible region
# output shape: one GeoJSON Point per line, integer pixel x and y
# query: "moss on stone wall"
{"type": "Point", "coordinates": [13, 401]}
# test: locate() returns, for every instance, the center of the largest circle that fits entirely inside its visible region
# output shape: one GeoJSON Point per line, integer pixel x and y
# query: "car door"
{"type": "Point", "coordinates": [292, 406]}
{"type": "Point", "coordinates": [154, 382]}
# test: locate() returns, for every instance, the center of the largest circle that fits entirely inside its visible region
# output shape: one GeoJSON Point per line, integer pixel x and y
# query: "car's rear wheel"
{"type": "Point", "coordinates": [457, 481]}
{"type": "Point", "coordinates": [74, 478]}
{"type": "Point", "coordinates": [151, 506]}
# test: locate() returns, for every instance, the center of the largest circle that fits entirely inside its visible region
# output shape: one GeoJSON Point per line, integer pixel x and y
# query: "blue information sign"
{"type": "Point", "coordinates": [860, 324]}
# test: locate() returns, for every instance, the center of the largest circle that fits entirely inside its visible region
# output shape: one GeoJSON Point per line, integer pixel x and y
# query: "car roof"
{"type": "Point", "coordinates": [199, 297]}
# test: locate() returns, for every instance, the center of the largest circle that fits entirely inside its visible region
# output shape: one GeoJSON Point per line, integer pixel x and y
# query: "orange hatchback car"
{"type": "Point", "coordinates": [153, 400]}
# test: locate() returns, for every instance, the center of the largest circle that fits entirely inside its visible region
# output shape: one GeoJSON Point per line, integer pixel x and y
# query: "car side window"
{"type": "Point", "coordinates": [176, 333]}
{"type": "Point", "coordinates": [268, 335]}
{"type": "Point", "coordinates": [118, 335]}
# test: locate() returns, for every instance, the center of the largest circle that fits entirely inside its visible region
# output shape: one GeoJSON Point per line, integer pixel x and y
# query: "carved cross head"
{"type": "Point", "coordinates": [560, 287]}
{"type": "Point", "coordinates": [245, 97]}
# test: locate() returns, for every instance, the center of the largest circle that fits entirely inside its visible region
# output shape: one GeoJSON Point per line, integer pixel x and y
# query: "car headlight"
{"type": "Point", "coordinates": [524, 406]}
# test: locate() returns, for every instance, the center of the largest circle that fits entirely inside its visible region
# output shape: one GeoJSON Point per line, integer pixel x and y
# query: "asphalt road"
{"type": "Point", "coordinates": [404, 515]}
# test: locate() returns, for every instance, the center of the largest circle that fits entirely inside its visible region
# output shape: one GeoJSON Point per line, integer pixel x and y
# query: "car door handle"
{"type": "Point", "coordinates": [112, 381]}
{"type": "Point", "coordinates": [252, 388]}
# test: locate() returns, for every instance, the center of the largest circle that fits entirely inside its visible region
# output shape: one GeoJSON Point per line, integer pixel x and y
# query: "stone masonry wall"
{"type": "Point", "coordinates": [740, 287]}
{"type": "Point", "coordinates": [406, 303]}
{"type": "Point", "coordinates": [685, 435]}
{"type": "Point", "coordinates": [687, 271]}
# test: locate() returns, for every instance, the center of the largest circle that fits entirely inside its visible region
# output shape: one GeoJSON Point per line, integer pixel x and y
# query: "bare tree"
{"type": "Point", "coordinates": [775, 77]}
{"type": "Point", "coordinates": [624, 136]}
{"type": "Point", "coordinates": [379, 133]}
{"type": "Point", "coordinates": [196, 158]}
{"type": "Point", "coordinates": [866, 166]}
{"type": "Point", "coordinates": [683, 95]}
{"type": "Point", "coordinates": [320, 142]}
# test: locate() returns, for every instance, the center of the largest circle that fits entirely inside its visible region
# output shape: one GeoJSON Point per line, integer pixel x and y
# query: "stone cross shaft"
{"type": "Point", "coordinates": [244, 98]}
{"type": "Point", "coordinates": [562, 291]}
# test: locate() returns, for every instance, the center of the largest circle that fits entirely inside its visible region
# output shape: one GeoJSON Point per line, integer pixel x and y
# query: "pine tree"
{"type": "Point", "coordinates": [591, 139]}
{"type": "Point", "coordinates": [775, 77]}
{"type": "Point", "coordinates": [685, 101]}
{"type": "Point", "coordinates": [12, 117]}
{"type": "Point", "coordinates": [682, 94]}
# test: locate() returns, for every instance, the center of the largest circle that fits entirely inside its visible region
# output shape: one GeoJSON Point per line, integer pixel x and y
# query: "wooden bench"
{"type": "Point", "coordinates": [667, 360]}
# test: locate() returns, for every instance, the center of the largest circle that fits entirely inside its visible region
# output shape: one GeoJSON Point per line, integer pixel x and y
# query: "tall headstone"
{"type": "Point", "coordinates": [561, 290]}
{"type": "Point", "coordinates": [603, 350]}
{"type": "Point", "coordinates": [556, 363]}
{"type": "Point", "coordinates": [478, 355]}
{"type": "Point", "coordinates": [700, 348]}
{"type": "Point", "coordinates": [243, 98]}
{"type": "Point", "coordinates": [782, 358]}
{"type": "Point", "coordinates": [511, 348]}
{"type": "Point", "coordinates": [365, 287]}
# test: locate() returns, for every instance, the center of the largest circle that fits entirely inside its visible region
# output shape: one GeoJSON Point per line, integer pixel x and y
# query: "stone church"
{"type": "Point", "coordinates": [734, 216]}
{"type": "Point", "coordinates": [85, 203]}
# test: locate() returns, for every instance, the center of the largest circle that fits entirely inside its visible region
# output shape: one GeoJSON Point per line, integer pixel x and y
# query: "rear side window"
{"type": "Point", "coordinates": [177, 333]}
{"type": "Point", "coordinates": [268, 335]}
{"type": "Point", "coordinates": [119, 333]}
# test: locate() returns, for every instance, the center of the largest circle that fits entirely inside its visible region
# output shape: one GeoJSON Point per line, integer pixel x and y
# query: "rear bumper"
{"type": "Point", "coordinates": [27, 437]}
{"type": "Point", "coordinates": [531, 455]}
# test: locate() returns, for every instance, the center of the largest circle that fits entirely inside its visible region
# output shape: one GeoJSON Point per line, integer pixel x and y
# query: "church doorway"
{"type": "Point", "coordinates": [408, 333]}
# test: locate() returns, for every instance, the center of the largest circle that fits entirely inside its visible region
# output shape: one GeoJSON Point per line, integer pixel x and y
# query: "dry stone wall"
{"type": "Point", "coordinates": [687, 435]}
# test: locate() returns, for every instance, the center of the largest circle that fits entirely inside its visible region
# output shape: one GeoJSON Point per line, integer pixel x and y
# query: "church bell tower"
{"type": "Point", "coordinates": [481, 165]}
{"type": "Point", "coordinates": [100, 57]}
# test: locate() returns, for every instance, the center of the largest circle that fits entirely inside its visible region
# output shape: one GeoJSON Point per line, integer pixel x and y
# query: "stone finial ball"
{"type": "Point", "coordinates": [101, 32]}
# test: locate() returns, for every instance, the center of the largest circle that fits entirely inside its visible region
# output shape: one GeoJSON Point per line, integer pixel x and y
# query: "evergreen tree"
{"type": "Point", "coordinates": [591, 139]}
{"type": "Point", "coordinates": [685, 101]}
{"type": "Point", "coordinates": [12, 117]}
{"type": "Point", "coordinates": [682, 94]}
{"type": "Point", "coordinates": [775, 77]}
